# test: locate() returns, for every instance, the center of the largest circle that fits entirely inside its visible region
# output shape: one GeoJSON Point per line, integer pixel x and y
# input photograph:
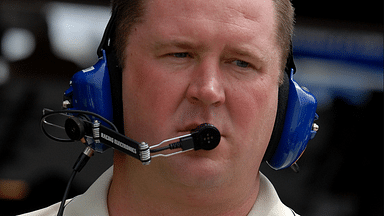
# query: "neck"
{"type": "Point", "coordinates": [136, 190]}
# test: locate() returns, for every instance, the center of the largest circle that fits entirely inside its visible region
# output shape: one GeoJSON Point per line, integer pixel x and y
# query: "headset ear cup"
{"type": "Point", "coordinates": [115, 74]}
{"type": "Point", "coordinates": [115, 71]}
{"type": "Point", "coordinates": [280, 118]}
{"type": "Point", "coordinates": [90, 90]}
{"type": "Point", "coordinates": [297, 131]}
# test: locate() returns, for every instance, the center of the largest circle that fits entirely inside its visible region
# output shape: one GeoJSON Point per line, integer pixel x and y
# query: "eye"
{"type": "Point", "coordinates": [180, 55]}
{"type": "Point", "coordinates": [240, 63]}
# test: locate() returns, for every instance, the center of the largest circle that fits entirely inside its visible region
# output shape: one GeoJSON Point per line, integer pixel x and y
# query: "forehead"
{"type": "Point", "coordinates": [243, 21]}
{"type": "Point", "coordinates": [221, 10]}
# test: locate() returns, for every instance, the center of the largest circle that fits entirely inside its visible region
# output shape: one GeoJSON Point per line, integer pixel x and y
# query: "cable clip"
{"type": "Point", "coordinates": [145, 153]}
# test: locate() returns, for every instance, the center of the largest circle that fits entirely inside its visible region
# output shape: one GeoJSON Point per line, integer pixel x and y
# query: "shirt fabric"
{"type": "Point", "coordinates": [94, 201]}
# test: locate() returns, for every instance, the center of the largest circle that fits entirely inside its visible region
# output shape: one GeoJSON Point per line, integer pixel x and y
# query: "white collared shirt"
{"type": "Point", "coordinates": [94, 201]}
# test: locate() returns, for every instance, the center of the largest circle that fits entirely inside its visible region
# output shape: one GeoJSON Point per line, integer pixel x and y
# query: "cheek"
{"type": "Point", "coordinates": [254, 104]}
{"type": "Point", "coordinates": [253, 113]}
{"type": "Point", "coordinates": [150, 98]}
{"type": "Point", "coordinates": [147, 100]}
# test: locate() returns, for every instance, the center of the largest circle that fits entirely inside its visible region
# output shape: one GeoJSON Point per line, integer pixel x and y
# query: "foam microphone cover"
{"type": "Point", "coordinates": [206, 136]}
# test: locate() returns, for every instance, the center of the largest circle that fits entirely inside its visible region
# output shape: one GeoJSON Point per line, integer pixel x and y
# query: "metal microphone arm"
{"type": "Point", "coordinates": [102, 134]}
{"type": "Point", "coordinates": [205, 137]}
{"type": "Point", "coordinates": [76, 129]}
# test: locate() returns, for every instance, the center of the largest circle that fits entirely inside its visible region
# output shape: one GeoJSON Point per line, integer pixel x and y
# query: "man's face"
{"type": "Point", "coordinates": [203, 61]}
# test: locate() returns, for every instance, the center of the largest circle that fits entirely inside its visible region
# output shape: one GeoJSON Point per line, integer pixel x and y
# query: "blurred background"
{"type": "Point", "coordinates": [338, 49]}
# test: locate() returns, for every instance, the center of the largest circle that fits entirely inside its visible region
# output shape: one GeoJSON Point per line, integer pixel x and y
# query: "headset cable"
{"type": "Point", "coordinates": [80, 163]}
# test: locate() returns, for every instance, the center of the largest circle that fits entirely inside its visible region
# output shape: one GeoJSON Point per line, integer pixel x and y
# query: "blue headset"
{"type": "Point", "coordinates": [98, 89]}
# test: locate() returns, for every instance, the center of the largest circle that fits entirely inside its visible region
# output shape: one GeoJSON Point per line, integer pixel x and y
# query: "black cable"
{"type": "Point", "coordinates": [62, 205]}
{"type": "Point", "coordinates": [160, 149]}
{"type": "Point", "coordinates": [170, 146]}
{"type": "Point", "coordinates": [52, 112]}
{"type": "Point", "coordinates": [77, 167]}
{"type": "Point", "coordinates": [55, 112]}
{"type": "Point", "coordinates": [84, 156]}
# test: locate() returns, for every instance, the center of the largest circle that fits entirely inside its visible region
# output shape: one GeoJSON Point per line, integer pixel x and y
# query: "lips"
{"type": "Point", "coordinates": [189, 127]}
{"type": "Point", "coordinates": [192, 126]}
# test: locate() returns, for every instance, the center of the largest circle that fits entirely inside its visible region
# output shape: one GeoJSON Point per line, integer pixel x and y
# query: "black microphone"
{"type": "Point", "coordinates": [205, 136]}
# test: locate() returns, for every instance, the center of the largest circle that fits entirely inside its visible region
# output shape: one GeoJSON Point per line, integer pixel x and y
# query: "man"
{"type": "Point", "coordinates": [185, 63]}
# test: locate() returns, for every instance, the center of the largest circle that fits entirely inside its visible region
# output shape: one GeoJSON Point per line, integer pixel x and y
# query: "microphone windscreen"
{"type": "Point", "coordinates": [74, 127]}
{"type": "Point", "coordinates": [206, 136]}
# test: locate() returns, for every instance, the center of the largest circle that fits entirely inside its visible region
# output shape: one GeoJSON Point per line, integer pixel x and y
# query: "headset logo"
{"type": "Point", "coordinates": [119, 143]}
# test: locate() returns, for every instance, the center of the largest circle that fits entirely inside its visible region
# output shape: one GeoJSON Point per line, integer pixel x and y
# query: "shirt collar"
{"type": "Point", "coordinates": [94, 200]}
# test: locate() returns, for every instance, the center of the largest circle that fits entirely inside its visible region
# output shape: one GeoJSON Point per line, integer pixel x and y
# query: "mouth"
{"type": "Point", "coordinates": [189, 128]}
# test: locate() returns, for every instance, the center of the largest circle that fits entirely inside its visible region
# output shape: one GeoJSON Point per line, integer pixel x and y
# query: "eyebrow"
{"type": "Point", "coordinates": [175, 43]}
{"type": "Point", "coordinates": [247, 52]}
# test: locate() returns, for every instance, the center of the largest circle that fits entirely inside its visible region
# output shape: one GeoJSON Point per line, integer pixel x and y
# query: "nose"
{"type": "Point", "coordinates": [206, 87]}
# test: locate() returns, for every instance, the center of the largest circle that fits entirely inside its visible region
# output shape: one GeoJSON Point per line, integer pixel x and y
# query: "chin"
{"type": "Point", "coordinates": [197, 168]}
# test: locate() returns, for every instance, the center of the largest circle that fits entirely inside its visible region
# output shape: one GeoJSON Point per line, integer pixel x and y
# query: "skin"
{"type": "Point", "coordinates": [193, 62]}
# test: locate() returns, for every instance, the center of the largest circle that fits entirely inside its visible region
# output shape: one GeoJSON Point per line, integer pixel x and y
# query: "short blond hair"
{"type": "Point", "coordinates": [285, 18]}
{"type": "Point", "coordinates": [129, 13]}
